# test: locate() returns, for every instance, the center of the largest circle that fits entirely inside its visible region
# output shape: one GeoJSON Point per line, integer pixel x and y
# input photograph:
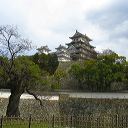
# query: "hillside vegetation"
{"type": "Point", "coordinates": [108, 72]}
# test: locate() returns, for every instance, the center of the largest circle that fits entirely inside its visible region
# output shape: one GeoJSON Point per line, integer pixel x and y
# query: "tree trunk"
{"type": "Point", "coordinates": [13, 105]}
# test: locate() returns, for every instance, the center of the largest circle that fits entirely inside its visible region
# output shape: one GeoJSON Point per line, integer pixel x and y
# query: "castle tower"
{"type": "Point", "coordinates": [81, 47]}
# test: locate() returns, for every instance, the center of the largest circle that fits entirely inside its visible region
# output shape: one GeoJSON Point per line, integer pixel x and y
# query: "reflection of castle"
{"type": "Point", "coordinates": [78, 49]}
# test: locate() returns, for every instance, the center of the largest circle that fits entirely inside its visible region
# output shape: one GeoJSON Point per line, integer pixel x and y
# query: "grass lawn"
{"type": "Point", "coordinates": [25, 124]}
{"type": "Point", "coordinates": [16, 123]}
{"type": "Point", "coordinates": [32, 126]}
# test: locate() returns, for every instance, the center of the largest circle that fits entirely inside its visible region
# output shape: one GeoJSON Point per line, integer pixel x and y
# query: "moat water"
{"type": "Point", "coordinates": [97, 95]}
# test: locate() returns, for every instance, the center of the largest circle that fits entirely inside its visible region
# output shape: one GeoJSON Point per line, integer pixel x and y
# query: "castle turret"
{"type": "Point", "coordinates": [62, 53]}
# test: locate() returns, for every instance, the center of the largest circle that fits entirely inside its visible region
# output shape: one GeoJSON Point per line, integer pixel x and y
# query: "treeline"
{"type": "Point", "coordinates": [109, 72]}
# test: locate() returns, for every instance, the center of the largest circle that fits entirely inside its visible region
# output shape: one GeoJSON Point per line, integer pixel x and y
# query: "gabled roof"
{"type": "Point", "coordinates": [78, 34]}
{"type": "Point", "coordinates": [72, 49]}
{"type": "Point", "coordinates": [61, 47]}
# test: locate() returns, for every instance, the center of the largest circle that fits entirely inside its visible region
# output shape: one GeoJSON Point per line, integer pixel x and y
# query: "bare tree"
{"type": "Point", "coordinates": [12, 44]}
{"type": "Point", "coordinates": [107, 52]}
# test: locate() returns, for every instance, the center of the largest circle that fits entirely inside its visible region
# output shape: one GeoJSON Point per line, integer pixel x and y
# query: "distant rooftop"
{"type": "Point", "coordinates": [78, 34]}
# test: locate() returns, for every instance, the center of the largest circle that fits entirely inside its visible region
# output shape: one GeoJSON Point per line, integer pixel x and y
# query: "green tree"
{"type": "Point", "coordinates": [112, 71]}
{"type": "Point", "coordinates": [48, 63]}
{"type": "Point", "coordinates": [76, 71]}
{"type": "Point", "coordinates": [25, 75]}
{"type": "Point", "coordinates": [57, 78]}
{"type": "Point", "coordinates": [100, 74]}
{"type": "Point", "coordinates": [90, 75]}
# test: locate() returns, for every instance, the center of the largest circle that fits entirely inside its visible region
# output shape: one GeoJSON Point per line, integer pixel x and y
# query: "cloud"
{"type": "Point", "coordinates": [51, 22]}
{"type": "Point", "coordinates": [111, 16]}
{"type": "Point", "coordinates": [112, 21]}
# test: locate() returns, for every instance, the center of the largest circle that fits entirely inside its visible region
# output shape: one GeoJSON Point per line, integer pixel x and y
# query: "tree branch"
{"type": "Point", "coordinates": [35, 96]}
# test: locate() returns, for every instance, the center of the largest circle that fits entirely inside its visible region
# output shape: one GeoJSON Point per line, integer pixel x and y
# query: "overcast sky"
{"type": "Point", "coordinates": [52, 22]}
